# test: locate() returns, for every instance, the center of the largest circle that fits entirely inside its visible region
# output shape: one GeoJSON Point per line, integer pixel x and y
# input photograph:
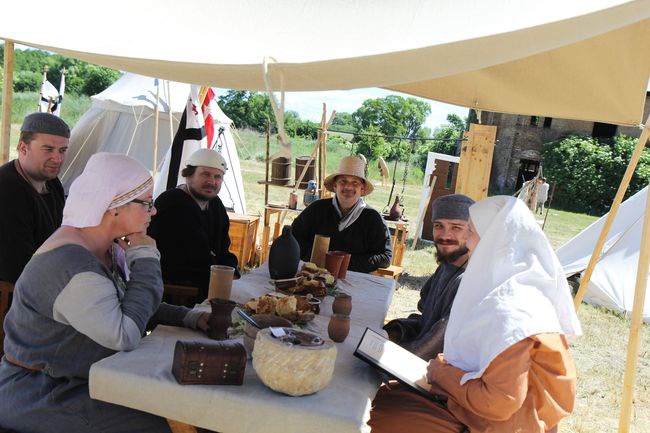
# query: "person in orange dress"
{"type": "Point", "coordinates": [506, 365]}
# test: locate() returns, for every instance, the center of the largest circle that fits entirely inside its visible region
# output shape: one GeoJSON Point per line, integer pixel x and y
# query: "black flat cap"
{"type": "Point", "coordinates": [45, 123]}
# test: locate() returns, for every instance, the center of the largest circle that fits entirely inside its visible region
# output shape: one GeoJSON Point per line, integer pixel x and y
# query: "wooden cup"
{"type": "Point", "coordinates": [342, 304]}
{"type": "Point", "coordinates": [319, 249]}
{"type": "Point", "coordinates": [220, 282]}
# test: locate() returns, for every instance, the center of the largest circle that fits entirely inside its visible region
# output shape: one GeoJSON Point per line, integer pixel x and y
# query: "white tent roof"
{"type": "Point", "coordinates": [571, 59]}
{"type": "Point", "coordinates": [121, 120]}
{"type": "Point", "coordinates": [613, 281]}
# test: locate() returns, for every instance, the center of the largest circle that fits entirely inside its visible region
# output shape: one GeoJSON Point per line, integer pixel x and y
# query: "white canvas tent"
{"type": "Point", "coordinates": [612, 283]}
{"type": "Point", "coordinates": [122, 120]}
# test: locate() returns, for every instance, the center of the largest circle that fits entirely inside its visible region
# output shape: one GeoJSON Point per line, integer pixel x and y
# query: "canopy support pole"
{"type": "Point", "coordinates": [6, 100]}
{"type": "Point", "coordinates": [636, 323]}
{"type": "Point", "coordinates": [595, 255]}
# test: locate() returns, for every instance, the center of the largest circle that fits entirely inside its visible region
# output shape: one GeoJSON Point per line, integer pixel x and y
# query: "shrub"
{"type": "Point", "coordinates": [587, 172]}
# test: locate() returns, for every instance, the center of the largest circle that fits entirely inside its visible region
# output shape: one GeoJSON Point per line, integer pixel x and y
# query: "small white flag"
{"type": "Point", "coordinates": [49, 98]}
{"type": "Point", "coordinates": [57, 111]}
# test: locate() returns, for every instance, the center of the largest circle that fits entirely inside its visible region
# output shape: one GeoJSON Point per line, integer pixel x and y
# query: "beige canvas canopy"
{"type": "Point", "coordinates": [569, 59]}
{"type": "Point", "coordinates": [586, 60]}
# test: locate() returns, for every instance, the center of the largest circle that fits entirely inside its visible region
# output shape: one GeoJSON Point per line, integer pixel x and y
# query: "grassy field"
{"type": "Point", "coordinates": [599, 353]}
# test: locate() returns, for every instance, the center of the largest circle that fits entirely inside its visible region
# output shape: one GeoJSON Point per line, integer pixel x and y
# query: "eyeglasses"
{"type": "Point", "coordinates": [149, 204]}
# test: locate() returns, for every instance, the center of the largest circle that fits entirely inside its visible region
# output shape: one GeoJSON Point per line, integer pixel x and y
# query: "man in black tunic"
{"type": "Point", "coordinates": [423, 334]}
{"type": "Point", "coordinates": [31, 195]}
{"type": "Point", "coordinates": [191, 225]}
{"type": "Point", "coordinates": [351, 226]}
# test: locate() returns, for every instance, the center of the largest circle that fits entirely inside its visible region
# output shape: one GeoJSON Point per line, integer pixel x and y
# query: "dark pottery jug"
{"type": "Point", "coordinates": [284, 256]}
{"type": "Point", "coordinates": [220, 318]}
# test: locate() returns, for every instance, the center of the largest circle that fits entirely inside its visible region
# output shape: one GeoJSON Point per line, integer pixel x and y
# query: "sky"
{"type": "Point", "coordinates": [309, 104]}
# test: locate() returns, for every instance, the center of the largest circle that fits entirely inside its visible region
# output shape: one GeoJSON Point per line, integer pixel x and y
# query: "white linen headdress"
{"type": "Point", "coordinates": [514, 287]}
{"type": "Point", "coordinates": [109, 180]}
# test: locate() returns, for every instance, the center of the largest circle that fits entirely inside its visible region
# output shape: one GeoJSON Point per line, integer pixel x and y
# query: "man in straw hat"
{"type": "Point", "coordinates": [350, 224]}
{"type": "Point", "coordinates": [31, 195]}
{"type": "Point", "coordinates": [423, 333]}
{"type": "Point", "coordinates": [191, 227]}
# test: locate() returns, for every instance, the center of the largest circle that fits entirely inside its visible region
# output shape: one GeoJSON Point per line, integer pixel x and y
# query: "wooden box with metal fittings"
{"type": "Point", "coordinates": [209, 363]}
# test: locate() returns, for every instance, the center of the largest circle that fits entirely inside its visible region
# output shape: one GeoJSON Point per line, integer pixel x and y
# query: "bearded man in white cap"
{"type": "Point", "coordinates": [350, 224]}
{"type": "Point", "coordinates": [31, 195]}
{"type": "Point", "coordinates": [423, 333]}
{"type": "Point", "coordinates": [191, 226]}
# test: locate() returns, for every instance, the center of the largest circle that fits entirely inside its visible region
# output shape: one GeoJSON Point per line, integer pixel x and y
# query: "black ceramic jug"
{"type": "Point", "coordinates": [284, 256]}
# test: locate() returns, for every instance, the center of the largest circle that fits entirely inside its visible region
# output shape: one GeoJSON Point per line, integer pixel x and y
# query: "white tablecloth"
{"type": "Point", "coordinates": [142, 379]}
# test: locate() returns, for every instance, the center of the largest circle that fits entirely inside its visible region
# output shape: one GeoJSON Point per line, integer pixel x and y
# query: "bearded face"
{"type": "Point", "coordinates": [450, 237]}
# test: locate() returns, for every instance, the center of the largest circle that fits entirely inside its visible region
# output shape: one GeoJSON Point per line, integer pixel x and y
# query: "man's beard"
{"type": "Point", "coordinates": [451, 256]}
{"type": "Point", "coordinates": [199, 195]}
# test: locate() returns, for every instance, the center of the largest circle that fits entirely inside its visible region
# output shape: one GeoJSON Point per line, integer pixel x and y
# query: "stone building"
{"type": "Point", "coordinates": [517, 154]}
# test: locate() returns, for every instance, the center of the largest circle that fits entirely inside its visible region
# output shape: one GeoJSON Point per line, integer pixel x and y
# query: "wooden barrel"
{"type": "Point", "coordinates": [280, 171]}
{"type": "Point", "coordinates": [301, 161]}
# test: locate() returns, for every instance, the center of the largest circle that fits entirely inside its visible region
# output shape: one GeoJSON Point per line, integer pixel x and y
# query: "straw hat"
{"type": "Point", "coordinates": [350, 166]}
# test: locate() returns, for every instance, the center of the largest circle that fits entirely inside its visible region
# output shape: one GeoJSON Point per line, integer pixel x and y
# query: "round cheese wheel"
{"type": "Point", "coordinates": [293, 369]}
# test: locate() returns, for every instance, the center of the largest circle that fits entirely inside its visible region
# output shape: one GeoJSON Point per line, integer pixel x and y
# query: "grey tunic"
{"type": "Point", "coordinates": [68, 312]}
{"type": "Point", "coordinates": [422, 333]}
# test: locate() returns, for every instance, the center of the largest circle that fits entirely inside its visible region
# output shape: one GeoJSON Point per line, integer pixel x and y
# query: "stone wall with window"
{"type": "Point", "coordinates": [520, 139]}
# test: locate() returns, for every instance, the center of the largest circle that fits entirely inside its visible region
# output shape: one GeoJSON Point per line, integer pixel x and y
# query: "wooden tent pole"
{"type": "Point", "coordinates": [635, 324]}
{"type": "Point", "coordinates": [595, 255]}
{"type": "Point", "coordinates": [155, 130]}
{"type": "Point", "coordinates": [7, 91]}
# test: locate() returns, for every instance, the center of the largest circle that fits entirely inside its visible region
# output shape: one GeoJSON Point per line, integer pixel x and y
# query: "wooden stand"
{"type": "Point", "coordinates": [399, 244]}
{"type": "Point", "coordinates": [320, 152]}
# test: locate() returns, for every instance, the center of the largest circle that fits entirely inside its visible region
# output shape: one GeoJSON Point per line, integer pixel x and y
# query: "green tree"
{"type": "Point", "coordinates": [371, 143]}
{"type": "Point", "coordinates": [98, 78]}
{"type": "Point", "coordinates": [393, 116]}
{"type": "Point", "coordinates": [445, 139]}
{"type": "Point", "coordinates": [344, 122]}
{"type": "Point", "coordinates": [587, 172]}
{"type": "Point", "coordinates": [248, 109]}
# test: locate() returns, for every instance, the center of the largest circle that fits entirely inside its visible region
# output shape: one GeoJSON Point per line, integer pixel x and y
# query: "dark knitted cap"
{"type": "Point", "coordinates": [451, 207]}
{"type": "Point", "coordinates": [45, 123]}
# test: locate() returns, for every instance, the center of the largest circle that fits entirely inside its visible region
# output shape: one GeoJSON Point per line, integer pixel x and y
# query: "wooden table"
{"type": "Point", "coordinates": [142, 379]}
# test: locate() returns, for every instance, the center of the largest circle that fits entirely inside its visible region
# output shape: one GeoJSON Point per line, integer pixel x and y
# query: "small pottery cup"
{"type": "Point", "coordinates": [342, 304]}
{"type": "Point", "coordinates": [220, 318]}
{"type": "Point", "coordinates": [339, 327]}
{"type": "Point", "coordinates": [343, 271]}
{"type": "Point", "coordinates": [333, 262]}
{"type": "Point", "coordinates": [265, 321]}
{"type": "Point", "coordinates": [220, 282]}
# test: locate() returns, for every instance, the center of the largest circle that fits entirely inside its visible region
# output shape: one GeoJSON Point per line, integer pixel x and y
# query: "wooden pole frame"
{"type": "Point", "coordinates": [641, 279]}
{"type": "Point", "coordinates": [618, 199]}
{"type": "Point", "coordinates": [635, 324]}
{"type": "Point", "coordinates": [7, 91]}
{"type": "Point", "coordinates": [154, 164]}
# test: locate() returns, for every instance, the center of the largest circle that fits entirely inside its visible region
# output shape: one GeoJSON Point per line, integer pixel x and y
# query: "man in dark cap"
{"type": "Point", "coordinates": [423, 334]}
{"type": "Point", "coordinates": [31, 195]}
